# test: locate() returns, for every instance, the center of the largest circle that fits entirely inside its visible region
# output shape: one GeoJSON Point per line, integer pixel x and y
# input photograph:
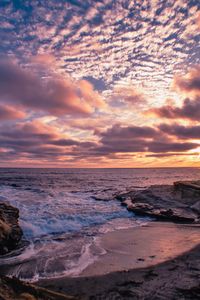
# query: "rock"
{"type": "Point", "coordinates": [174, 215]}
{"type": "Point", "coordinates": [196, 207]}
{"type": "Point", "coordinates": [193, 185]}
{"type": "Point", "coordinates": [101, 198]}
{"type": "Point", "coordinates": [14, 289]}
{"type": "Point", "coordinates": [190, 292]}
{"type": "Point", "coordinates": [104, 195]}
{"type": "Point", "coordinates": [127, 202]}
{"type": "Point", "coordinates": [165, 202]}
{"type": "Point", "coordinates": [123, 196]}
{"type": "Point", "coordinates": [188, 189]}
{"type": "Point", "coordinates": [10, 231]}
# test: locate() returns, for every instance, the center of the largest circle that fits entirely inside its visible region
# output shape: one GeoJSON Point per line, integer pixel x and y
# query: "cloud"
{"type": "Point", "coordinates": [129, 95]}
{"type": "Point", "coordinates": [198, 20]}
{"type": "Point", "coordinates": [180, 131]}
{"type": "Point", "coordinates": [54, 95]}
{"type": "Point", "coordinates": [10, 113]}
{"type": "Point", "coordinates": [73, 57]}
{"type": "Point", "coordinates": [170, 146]}
{"type": "Point", "coordinates": [139, 139]}
{"type": "Point", "coordinates": [190, 109]}
{"type": "Point", "coordinates": [30, 133]}
{"type": "Point", "coordinates": [93, 123]}
{"type": "Point", "coordinates": [37, 141]}
{"type": "Point", "coordinates": [44, 59]}
{"type": "Point", "coordinates": [108, 40]}
{"type": "Point", "coordinates": [160, 155]}
{"type": "Point", "coordinates": [190, 83]}
{"type": "Point", "coordinates": [91, 96]}
{"type": "Point", "coordinates": [118, 131]}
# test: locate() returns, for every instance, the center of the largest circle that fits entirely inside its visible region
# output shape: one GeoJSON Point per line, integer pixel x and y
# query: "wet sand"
{"type": "Point", "coordinates": [158, 259]}
{"type": "Point", "coordinates": [143, 246]}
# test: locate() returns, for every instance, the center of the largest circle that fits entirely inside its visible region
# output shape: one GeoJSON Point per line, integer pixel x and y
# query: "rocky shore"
{"type": "Point", "coordinates": [10, 231]}
{"type": "Point", "coordinates": [174, 278]}
{"type": "Point", "coordinates": [11, 239]}
{"type": "Point", "coordinates": [176, 203]}
{"type": "Point", "coordinates": [14, 289]}
{"type": "Point", "coordinates": [177, 277]}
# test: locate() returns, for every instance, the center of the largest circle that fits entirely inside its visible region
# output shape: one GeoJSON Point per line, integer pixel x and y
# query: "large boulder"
{"type": "Point", "coordinates": [10, 231]}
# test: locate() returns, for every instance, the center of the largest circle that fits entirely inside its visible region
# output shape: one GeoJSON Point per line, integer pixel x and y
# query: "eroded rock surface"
{"type": "Point", "coordinates": [10, 231]}
{"type": "Point", "coordinates": [10, 239]}
{"type": "Point", "coordinates": [178, 203]}
{"type": "Point", "coordinates": [188, 189]}
{"type": "Point", "coordinates": [14, 289]}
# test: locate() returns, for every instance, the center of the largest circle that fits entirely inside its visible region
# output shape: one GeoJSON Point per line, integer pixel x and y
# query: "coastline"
{"type": "Point", "coordinates": [143, 246]}
{"type": "Point", "coordinates": [174, 279]}
{"type": "Point", "coordinates": [126, 263]}
{"type": "Point", "coordinates": [157, 260]}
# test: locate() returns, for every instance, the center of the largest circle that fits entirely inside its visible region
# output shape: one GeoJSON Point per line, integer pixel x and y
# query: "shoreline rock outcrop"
{"type": "Point", "coordinates": [10, 231]}
{"type": "Point", "coordinates": [177, 203]}
{"type": "Point", "coordinates": [10, 239]}
{"type": "Point", "coordinates": [14, 289]}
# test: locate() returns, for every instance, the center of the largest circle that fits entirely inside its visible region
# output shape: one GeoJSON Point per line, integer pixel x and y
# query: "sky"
{"type": "Point", "coordinates": [108, 83]}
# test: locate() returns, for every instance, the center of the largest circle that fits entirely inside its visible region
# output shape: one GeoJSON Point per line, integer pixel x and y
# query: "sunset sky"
{"type": "Point", "coordinates": [105, 83]}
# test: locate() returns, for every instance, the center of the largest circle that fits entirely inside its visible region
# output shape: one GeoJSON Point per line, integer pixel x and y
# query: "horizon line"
{"type": "Point", "coordinates": [178, 167]}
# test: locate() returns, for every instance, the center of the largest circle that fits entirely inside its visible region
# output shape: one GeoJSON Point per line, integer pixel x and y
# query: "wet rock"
{"type": "Point", "coordinates": [103, 196]}
{"type": "Point", "coordinates": [175, 215]}
{"type": "Point", "coordinates": [10, 231]}
{"type": "Point", "coordinates": [191, 292]}
{"type": "Point", "coordinates": [196, 207]}
{"type": "Point", "coordinates": [188, 189]}
{"type": "Point", "coordinates": [165, 202]}
{"type": "Point", "coordinates": [14, 289]}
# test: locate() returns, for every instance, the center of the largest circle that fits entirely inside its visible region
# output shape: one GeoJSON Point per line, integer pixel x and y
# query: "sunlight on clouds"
{"type": "Point", "coordinates": [90, 81]}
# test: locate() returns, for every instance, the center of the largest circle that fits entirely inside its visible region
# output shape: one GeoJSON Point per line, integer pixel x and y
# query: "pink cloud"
{"type": "Point", "coordinates": [188, 85]}
{"type": "Point", "coordinates": [55, 95]}
{"type": "Point", "coordinates": [10, 113]}
{"type": "Point", "coordinates": [189, 110]}
{"type": "Point", "coordinates": [129, 95]}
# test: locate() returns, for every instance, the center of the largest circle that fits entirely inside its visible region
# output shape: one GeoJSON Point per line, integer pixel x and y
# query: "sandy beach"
{"type": "Point", "coordinates": [138, 261]}
{"type": "Point", "coordinates": [143, 246]}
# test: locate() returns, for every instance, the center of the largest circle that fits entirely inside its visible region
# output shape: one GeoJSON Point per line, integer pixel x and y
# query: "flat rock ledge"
{"type": "Point", "coordinates": [179, 202]}
{"type": "Point", "coordinates": [10, 231]}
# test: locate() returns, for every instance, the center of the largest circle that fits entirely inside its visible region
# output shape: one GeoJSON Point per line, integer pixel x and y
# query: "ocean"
{"type": "Point", "coordinates": [64, 212]}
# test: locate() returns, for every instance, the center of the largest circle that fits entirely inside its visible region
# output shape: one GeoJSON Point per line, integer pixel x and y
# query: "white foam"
{"type": "Point", "coordinates": [118, 224]}
{"type": "Point", "coordinates": [48, 215]}
{"type": "Point", "coordinates": [87, 257]}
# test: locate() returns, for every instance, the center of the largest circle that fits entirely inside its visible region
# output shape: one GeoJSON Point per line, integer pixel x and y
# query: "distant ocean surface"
{"type": "Point", "coordinates": [63, 213]}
